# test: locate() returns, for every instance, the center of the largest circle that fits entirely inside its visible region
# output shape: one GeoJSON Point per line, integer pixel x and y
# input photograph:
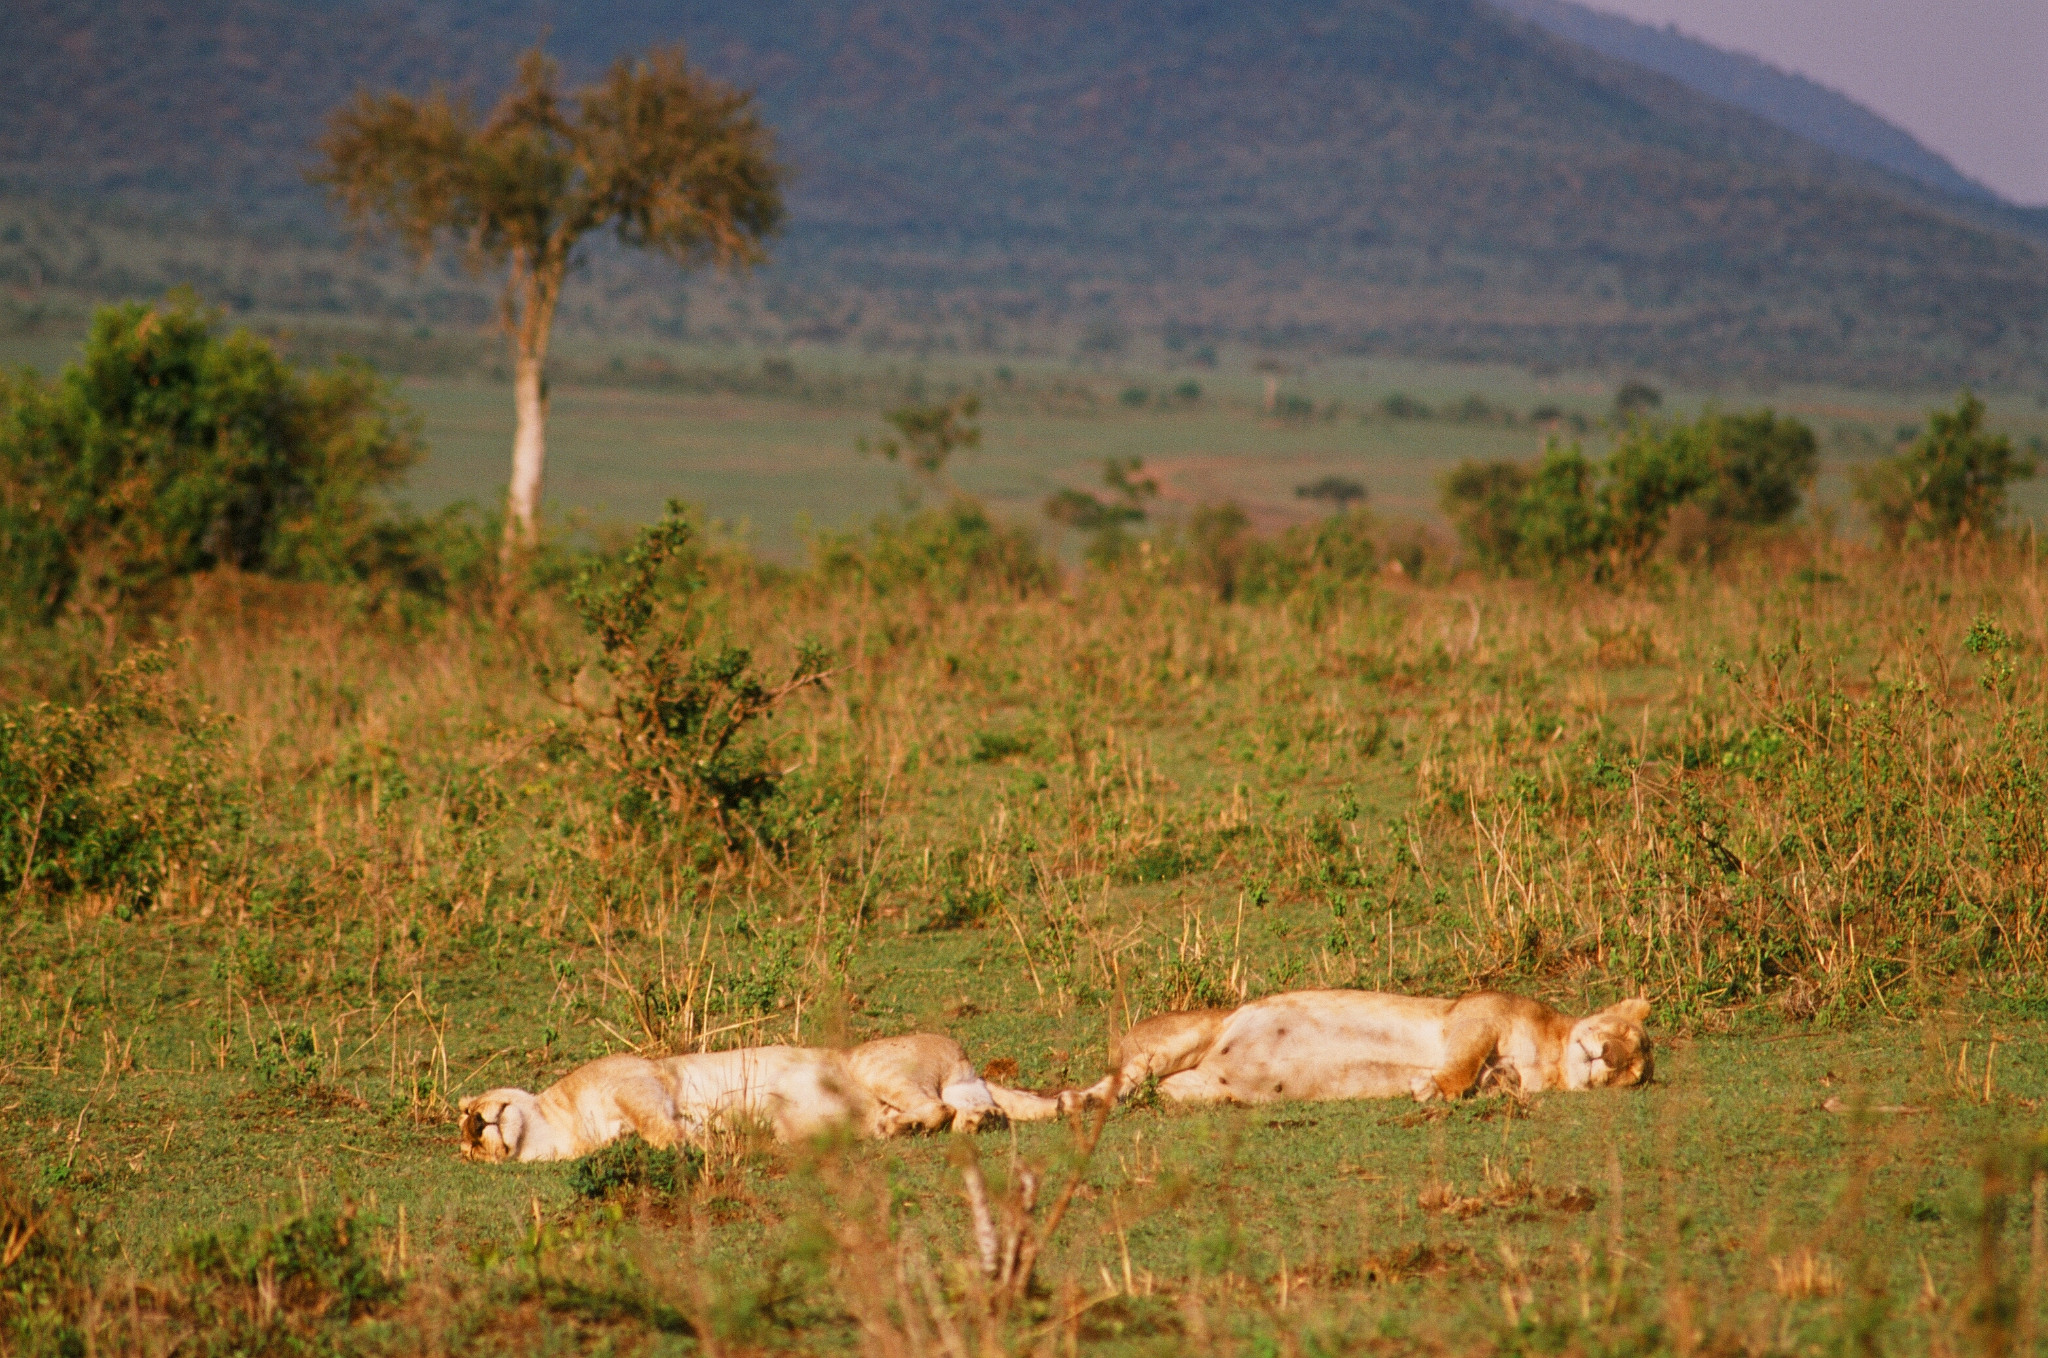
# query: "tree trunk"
{"type": "Point", "coordinates": [529, 450]}
{"type": "Point", "coordinates": [529, 317]}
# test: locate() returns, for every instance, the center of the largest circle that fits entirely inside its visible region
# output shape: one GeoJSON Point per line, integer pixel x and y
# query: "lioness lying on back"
{"type": "Point", "coordinates": [920, 1082]}
{"type": "Point", "coordinates": [1355, 1044]}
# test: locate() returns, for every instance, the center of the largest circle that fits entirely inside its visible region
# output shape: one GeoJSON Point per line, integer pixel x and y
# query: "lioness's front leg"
{"type": "Point", "coordinates": [1469, 1048]}
{"type": "Point", "coordinates": [646, 1108]}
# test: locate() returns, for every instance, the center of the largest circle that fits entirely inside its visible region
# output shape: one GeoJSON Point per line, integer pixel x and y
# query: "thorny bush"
{"type": "Point", "coordinates": [673, 718]}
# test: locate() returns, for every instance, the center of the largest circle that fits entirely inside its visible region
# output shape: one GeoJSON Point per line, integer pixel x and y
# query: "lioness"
{"type": "Point", "coordinates": [1355, 1044]}
{"type": "Point", "coordinates": [919, 1082]}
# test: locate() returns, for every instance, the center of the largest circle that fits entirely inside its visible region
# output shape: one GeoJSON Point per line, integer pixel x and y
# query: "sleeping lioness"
{"type": "Point", "coordinates": [1356, 1044]}
{"type": "Point", "coordinates": [920, 1082]}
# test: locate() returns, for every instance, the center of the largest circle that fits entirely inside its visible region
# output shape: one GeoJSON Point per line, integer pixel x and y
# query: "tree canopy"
{"type": "Point", "coordinates": [674, 161]}
{"type": "Point", "coordinates": [671, 160]}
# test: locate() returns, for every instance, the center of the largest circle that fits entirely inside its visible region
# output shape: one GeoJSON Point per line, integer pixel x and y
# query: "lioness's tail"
{"type": "Point", "coordinates": [1021, 1105]}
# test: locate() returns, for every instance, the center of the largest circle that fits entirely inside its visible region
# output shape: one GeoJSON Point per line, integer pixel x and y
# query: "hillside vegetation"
{"type": "Point", "coordinates": [1419, 176]}
{"type": "Point", "coordinates": [1823, 116]}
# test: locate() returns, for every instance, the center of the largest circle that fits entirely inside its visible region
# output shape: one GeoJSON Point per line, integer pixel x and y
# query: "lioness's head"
{"type": "Point", "coordinates": [494, 1124]}
{"type": "Point", "coordinates": [1609, 1048]}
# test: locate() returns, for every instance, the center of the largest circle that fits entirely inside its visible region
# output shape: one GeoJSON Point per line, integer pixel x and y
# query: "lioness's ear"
{"type": "Point", "coordinates": [467, 1103]}
{"type": "Point", "coordinates": [1635, 1010]}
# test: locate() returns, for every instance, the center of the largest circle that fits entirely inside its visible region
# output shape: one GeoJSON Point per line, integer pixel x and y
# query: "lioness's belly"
{"type": "Point", "coordinates": [747, 1079]}
{"type": "Point", "coordinates": [798, 1089]}
{"type": "Point", "coordinates": [1327, 1044]}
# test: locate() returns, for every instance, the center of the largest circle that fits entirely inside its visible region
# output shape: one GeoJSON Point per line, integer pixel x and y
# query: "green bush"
{"type": "Point", "coordinates": [927, 436]}
{"type": "Point", "coordinates": [317, 1262]}
{"type": "Point", "coordinates": [1760, 464]}
{"type": "Point", "coordinates": [1951, 483]}
{"type": "Point", "coordinates": [110, 794]}
{"type": "Point", "coordinates": [1562, 516]}
{"type": "Point", "coordinates": [1484, 499]}
{"type": "Point", "coordinates": [171, 449]}
{"type": "Point", "coordinates": [956, 552]}
{"type": "Point", "coordinates": [1340, 492]}
{"type": "Point", "coordinates": [1476, 409]}
{"type": "Point", "coordinates": [1107, 522]}
{"type": "Point", "coordinates": [1339, 550]}
{"type": "Point", "coordinates": [1735, 472]}
{"type": "Point", "coordinates": [632, 1166]}
{"type": "Point", "coordinates": [1217, 551]}
{"type": "Point", "coordinates": [1635, 400]}
{"type": "Point", "coordinates": [1218, 537]}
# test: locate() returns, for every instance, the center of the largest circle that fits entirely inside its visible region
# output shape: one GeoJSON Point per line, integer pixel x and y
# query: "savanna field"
{"type": "Point", "coordinates": [300, 852]}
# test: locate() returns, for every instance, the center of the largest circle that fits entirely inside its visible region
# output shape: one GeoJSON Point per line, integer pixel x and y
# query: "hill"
{"type": "Point", "coordinates": [1819, 114]}
{"type": "Point", "coordinates": [1430, 177]}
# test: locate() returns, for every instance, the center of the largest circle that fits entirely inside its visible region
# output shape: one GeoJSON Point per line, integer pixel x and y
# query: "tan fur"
{"type": "Point", "coordinates": [1354, 1044]}
{"type": "Point", "coordinates": [923, 1082]}
{"type": "Point", "coordinates": [919, 1082]}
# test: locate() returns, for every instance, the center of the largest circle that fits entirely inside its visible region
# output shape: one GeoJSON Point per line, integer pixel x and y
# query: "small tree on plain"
{"type": "Point", "coordinates": [927, 436]}
{"type": "Point", "coordinates": [1105, 520]}
{"type": "Point", "coordinates": [671, 160]}
{"type": "Point", "coordinates": [1339, 492]}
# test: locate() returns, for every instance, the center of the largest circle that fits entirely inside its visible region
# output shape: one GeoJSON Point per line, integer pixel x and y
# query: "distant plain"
{"type": "Point", "coordinates": [775, 467]}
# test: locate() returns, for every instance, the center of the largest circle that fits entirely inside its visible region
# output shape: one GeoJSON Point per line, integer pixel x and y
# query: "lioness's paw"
{"type": "Point", "coordinates": [971, 1120]}
{"type": "Point", "coordinates": [1423, 1087]}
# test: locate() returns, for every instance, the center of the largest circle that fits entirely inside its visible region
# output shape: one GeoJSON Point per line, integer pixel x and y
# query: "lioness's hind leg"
{"type": "Point", "coordinates": [923, 1115]}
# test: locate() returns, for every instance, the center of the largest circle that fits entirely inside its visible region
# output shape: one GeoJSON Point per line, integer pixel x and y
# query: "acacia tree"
{"type": "Point", "coordinates": [673, 161]}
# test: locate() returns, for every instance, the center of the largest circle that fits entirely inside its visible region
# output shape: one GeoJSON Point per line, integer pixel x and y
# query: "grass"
{"type": "Point", "coordinates": [1797, 798]}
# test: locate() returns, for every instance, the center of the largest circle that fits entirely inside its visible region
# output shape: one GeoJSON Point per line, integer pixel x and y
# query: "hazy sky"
{"type": "Point", "coordinates": [1969, 78]}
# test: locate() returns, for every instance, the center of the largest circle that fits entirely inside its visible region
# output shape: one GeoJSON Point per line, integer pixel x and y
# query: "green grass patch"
{"type": "Point", "coordinates": [1796, 800]}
